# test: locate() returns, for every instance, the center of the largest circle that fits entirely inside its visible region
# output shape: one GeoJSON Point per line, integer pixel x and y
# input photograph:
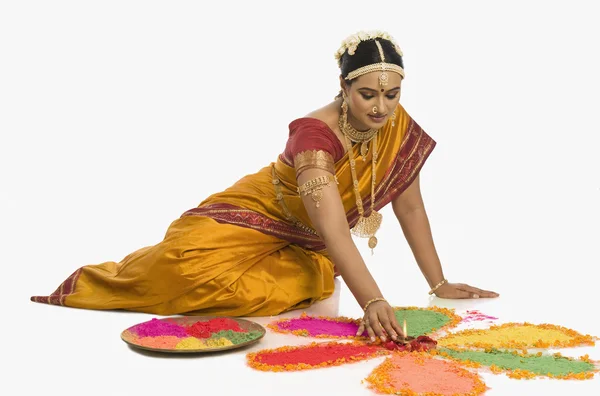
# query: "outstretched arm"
{"type": "Point", "coordinates": [329, 220]}
{"type": "Point", "coordinates": [410, 211]}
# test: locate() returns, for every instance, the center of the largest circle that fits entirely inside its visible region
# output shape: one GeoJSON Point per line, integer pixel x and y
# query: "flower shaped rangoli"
{"type": "Point", "coordinates": [445, 364]}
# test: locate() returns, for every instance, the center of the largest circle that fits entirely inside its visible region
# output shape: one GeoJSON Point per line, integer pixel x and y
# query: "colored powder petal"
{"type": "Point", "coordinates": [312, 356]}
{"type": "Point", "coordinates": [315, 327]}
{"type": "Point", "coordinates": [236, 337]}
{"type": "Point", "coordinates": [419, 373]}
{"type": "Point", "coordinates": [159, 342]}
{"type": "Point", "coordinates": [421, 321]}
{"type": "Point", "coordinates": [509, 361]}
{"type": "Point", "coordinates": [191, 343]}
{"type": "Point", "coordinates": [517, 335]}
{"type": "Point", "coordinates": [157, 327]}
{"type": "Point", "coordinates": [218, 342]}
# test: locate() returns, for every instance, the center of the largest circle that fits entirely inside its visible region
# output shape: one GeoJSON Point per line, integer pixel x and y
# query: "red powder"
{"type": "Point", "coordinates": [315, 355]}
{"type": "Point", "coordinates": [421, 343]}
{"type": "Point", "coordinates": [199, 330]}
{"type": "Point", "coordinates": [206, 329]}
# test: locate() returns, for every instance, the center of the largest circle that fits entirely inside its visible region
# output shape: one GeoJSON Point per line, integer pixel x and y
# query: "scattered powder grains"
{"type": "Point", "coordinates": [317, 326]}
{"type": "Point", "coordinates": [156, 327]}
{"type": "Point", "coordinates": [477, 316]}
{"type": "Point", "coordinates": [312, 356]}
{"type": "Point", "coordinates": [517, 335]}
{"type": "Point", "coordinates": [534, 364]}
{"type": "Point", "coordinates": [419, 373]}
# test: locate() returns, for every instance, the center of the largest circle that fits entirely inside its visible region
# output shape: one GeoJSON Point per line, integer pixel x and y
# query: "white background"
{"type": "Point", "coordinates": [117, 116]}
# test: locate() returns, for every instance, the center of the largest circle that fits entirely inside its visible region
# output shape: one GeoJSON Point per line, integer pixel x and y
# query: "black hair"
{"type": "Point", "coordinates": [367, 53]}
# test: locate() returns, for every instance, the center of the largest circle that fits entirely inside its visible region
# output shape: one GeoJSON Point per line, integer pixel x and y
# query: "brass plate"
{"type": "Point", "coordinates": [130, 337]}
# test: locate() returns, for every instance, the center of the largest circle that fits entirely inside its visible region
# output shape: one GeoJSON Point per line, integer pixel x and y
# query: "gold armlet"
{"type": "Point", "coordinates": [314, 187]}
{"type": "Point", "coordinates": [313, 159]}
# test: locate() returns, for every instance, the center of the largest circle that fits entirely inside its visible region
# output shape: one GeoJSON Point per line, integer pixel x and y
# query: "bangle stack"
{"type": "Point", "coordinates": [372, 301]}
{"type": "Point", "coordinates": [438, 286]}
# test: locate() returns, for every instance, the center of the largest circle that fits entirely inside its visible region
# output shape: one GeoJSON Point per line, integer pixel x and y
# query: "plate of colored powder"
{"type": "Point", "coordinates": [193, 334]}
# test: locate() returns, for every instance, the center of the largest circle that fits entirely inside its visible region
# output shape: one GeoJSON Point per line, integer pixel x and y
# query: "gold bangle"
{"type": "Point", "coordinates": [372, 301]}
{"type": "Point", "coordinates": [437, 286]}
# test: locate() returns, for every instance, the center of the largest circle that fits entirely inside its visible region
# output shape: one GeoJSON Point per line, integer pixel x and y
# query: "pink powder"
{"type": "Point", "coordinates": [320, 327]}
{"type": "Point", "coordinates": [157, 327]}
{"type": "Point", "coordinates": [476, 316]}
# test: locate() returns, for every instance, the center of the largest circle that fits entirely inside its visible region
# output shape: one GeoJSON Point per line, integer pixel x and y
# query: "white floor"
{"type": "Point", "coordinates": [55, 350]}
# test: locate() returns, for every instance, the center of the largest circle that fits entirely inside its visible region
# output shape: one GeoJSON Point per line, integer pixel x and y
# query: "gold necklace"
{"type": "Point", "coordinates": [355, 135]}
{"type": "Point", "coordinates": [365, 227]}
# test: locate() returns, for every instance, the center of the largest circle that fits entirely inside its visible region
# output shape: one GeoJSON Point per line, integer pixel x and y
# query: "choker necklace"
{"type": "Point", "coordinates": [355, 135]}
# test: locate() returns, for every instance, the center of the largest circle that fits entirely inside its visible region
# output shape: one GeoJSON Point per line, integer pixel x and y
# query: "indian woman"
{"type": "Point", "coordinates": [276, 239]}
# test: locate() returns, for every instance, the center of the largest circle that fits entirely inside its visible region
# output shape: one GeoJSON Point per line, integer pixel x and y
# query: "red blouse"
{"type": "Point", "coordinates": [311, 134]}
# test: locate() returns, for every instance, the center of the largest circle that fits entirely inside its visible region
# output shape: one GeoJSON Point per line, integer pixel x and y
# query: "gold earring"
{"type": "Point", "coordinates": [394, 118]}
{"type": "Point", "coordinates": [344, 111]}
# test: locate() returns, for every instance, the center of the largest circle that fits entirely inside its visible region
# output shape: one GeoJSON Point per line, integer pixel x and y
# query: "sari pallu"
{"type": "Point", "coordinates": [250, 250]}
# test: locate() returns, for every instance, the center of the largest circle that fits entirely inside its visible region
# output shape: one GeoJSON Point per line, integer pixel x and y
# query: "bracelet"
{"type": "Point", "coordinates": [372, 301]}
{"type": "Point", "coordinates": [437, 286]}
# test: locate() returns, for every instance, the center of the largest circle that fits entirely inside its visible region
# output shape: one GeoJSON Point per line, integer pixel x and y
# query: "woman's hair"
{"type": "Point", "coordinates": [367, 53]}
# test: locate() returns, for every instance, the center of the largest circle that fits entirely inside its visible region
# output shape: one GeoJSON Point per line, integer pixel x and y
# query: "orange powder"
{"type": "Point", "coordinates": [418, 373]}
{"type": "Point", "coordinates": [160, 342]}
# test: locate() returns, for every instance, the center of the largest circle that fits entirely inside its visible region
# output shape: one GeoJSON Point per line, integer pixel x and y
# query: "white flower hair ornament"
{"type": "Point", "coordinates": [351, 43]}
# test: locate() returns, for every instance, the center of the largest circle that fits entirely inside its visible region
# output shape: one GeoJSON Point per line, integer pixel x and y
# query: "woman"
{"type": "Point", "coordinates": [274, 241]}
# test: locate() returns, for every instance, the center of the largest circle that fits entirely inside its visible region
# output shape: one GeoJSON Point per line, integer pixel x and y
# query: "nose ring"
{"type": "Point", "coordinates": [374, 109]}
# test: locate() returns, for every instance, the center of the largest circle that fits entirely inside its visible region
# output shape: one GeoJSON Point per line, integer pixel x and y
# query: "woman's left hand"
{"type": "Point", "coordinates": [461, 290]}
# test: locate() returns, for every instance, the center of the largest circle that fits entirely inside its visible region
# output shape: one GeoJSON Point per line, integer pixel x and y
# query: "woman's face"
{"type": "Point", "coordinates": [365, 94]}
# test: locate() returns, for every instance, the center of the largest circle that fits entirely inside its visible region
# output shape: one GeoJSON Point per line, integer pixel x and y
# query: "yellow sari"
{"type": "Point", "coordinates": [249, 250]}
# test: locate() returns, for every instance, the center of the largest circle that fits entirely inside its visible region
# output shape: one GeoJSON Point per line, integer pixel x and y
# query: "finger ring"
{"type": "Point", "coordinates": [367, 322]}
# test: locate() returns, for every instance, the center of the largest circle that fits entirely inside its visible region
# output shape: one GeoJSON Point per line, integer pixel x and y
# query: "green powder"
{"type": "Point", "coordinates": [541, 365]}
{"type": "Point", "coordinates": [421, 322]}
{"type": "Point", "coordinates": [236, 337]}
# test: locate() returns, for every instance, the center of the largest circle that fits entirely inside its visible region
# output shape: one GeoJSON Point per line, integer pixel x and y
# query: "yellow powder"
{"type": "Point", "coordinates": [191, 343]}
{"type": "Point", "coordinates": [512, 335]}
{"type": "Point", "coordinates": [218, 342]}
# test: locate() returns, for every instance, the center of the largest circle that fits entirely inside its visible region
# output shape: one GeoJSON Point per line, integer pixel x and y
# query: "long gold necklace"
{"type": "Point", "coordinates": [355, 135]}
{"type": "Point", "coordinates": [365, 227]}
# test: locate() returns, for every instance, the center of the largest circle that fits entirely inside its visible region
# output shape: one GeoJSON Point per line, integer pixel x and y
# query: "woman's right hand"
{"type": "Point", "coordinates": [380, 320]}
